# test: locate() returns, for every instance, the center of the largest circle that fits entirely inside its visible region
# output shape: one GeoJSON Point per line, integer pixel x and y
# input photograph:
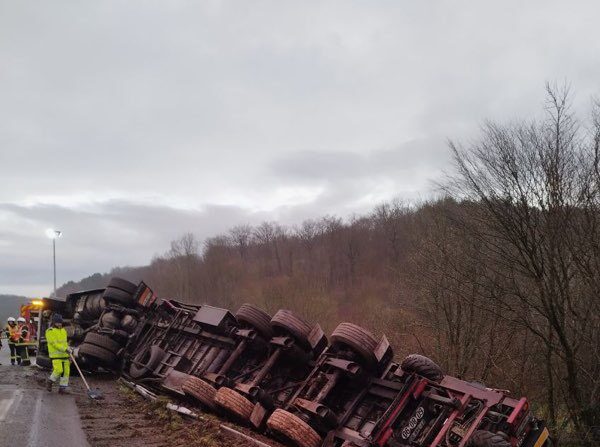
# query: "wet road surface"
{"type": "Point", "coordinates": [31, 416]}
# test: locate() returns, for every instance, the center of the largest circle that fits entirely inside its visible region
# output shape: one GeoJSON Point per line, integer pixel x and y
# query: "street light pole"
{"type": "Point", "coordinates": [54, 234]}
{"type": "Point", "coordinates": [54, 262]}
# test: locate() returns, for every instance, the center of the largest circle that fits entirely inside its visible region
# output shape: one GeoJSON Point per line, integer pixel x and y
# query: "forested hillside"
{"type": "Point", "coordinates": [498, 280]}
{"type": "Point", "coordinates": [9, 306]}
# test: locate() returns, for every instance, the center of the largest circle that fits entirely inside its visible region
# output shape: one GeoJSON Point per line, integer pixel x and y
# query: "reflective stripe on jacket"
{"type": "Point", "coordinates": [57, 343]}
{"type": "Point", "coordinates": [24, 331]}
{"type": "Point", "coordinates": [13, 333]}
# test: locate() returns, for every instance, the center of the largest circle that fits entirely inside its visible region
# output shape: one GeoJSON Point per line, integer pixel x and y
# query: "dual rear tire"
{"type": "Point", "coordinates": [256, 318]}
{"type": "Point", "coordinates": [123, 284]}
{"type": "Point", "coordinates": [99, 348]}
{"type": "Point", "coordinates": [120, 291]}
{"type": "Point", "coordinates": [291, 429]}
{"type": "Point", "coordinates": [234, 404]}
{"type": "Point", "coordinates": [359, 340]}
{"type": "Point", "coordinates": [291, 324]}
{"type": "Point", "coordinates": [423, 366]}
{"type": "Point", "coordinates": [97, 354]}
{"type": "Point", "coordinates": [201, 391]}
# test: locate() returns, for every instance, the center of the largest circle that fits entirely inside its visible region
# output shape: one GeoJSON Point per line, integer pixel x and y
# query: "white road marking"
{"type": "Point", "coordinates": [35, 423]}
{"type": "Point", "coordinates": [16, 401]}
{"type": "Point", "coordinates": [5, 405]}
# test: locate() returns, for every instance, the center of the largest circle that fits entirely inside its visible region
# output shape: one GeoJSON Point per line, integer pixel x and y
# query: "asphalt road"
{"type": "Point", "coordinates": [31, 416]}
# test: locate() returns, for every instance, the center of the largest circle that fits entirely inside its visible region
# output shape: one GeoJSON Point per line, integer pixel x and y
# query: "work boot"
{"type": "Point", "coordinates": [49, 384]}
{"type": "Point", "coordinates": [63, 390]}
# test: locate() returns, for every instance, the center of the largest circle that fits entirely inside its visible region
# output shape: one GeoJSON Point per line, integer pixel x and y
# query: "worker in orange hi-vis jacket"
{"type": "Point", "coordinates": [22, 344]}
{"type": "Point", "coordinates": [11, 330]}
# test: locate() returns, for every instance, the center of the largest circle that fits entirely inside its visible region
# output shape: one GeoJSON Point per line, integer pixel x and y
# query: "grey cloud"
{"type": "Point", "coordinates": [97, 238]}
{"type": "Point", "coordinates": [127, 123]}
{"type": "Point", "coordinates": [332, 166]}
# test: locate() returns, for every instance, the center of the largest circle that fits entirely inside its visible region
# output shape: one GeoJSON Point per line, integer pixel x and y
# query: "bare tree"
{"type": "Point", "coordinates": [307, 234]}
{"type": "Point", "coordinates": [269, 235]}
{"type": "Point", "coordinates": [241, 237]}
{"type": "Point", "coordinates": [449, 276]}
{"type": "Point", "coordinates": [184, 253]}
{"type": "Point", "coordinates": [530, 182]}
{"type": "Point", "coordinates": [390, 219]}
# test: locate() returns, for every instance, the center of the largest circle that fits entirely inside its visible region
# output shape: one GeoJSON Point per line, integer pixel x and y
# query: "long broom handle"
{"type": "Point", "coordinates": [79, 370]}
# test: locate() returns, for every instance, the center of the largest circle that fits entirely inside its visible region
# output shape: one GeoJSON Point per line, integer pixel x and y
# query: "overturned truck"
{"type": "Point", "coordinates": [281, 375]}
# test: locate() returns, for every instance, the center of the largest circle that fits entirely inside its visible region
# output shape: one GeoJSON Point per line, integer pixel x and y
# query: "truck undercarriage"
{"type": "Point", "coordinates": [282, 376]}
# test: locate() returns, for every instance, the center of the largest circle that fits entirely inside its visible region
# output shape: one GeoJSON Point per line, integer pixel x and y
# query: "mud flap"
{"type": "Point", "coordinates": [383, 351]}
{"type": "Point", "coordinates": [174, 381]}
{"type": "Point", "coordinates": [317, 340]}
{"type": "Point", "coordinates": [258, 416]}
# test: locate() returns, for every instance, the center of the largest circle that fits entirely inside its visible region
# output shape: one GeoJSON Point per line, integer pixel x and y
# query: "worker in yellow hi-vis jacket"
{"type": "Point", "coordinates": [58, 351]}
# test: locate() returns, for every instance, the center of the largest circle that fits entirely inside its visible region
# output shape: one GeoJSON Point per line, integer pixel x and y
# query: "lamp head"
{"type": "Point", "coordinates": [53, 234]}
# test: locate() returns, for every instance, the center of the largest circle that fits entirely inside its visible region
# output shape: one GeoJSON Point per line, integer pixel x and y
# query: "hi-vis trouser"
{"type": "Point", "coordinates": [13, 334]}
{"type": "Point", "coordinates": [61, 368]}
{"type": "Point", "coordinates": [23, 353]}
{"type": "Point", "coordinates": [23, 344]}
{"type": "Point", "coordinates": [56, 339]}
{"type": "Point", "coordinates": [13, 354]}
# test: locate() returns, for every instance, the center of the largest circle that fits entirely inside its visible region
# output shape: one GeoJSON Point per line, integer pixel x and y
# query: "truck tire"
{"type": "Point", "coordinates": [358, 339]}
{"type": "Point", "coordinates": [292, 429]}
{"type": "Point", "coordinates": [90, 309]}
{"type": "Point", "coordinates": [123, 284]}
{"type": "Point", "coordinates": [96, 352]}
{"type": "Point", "coordinates": [148, 361]}
{"type": "Point", "coordinates": [256, 318]}
{"type": "Point", "coordinates": [423, 366]}
{"type": "Point", "coordinates": [128, 323]}
{"type": "Point", "coordinates": [110, 320]}
{"type": "Point", "coordinates": [102, 341]}
{"type": "Point", "coordinates": [74, 331]}
{"type": "Point", "coordinates": [99, 305]}
{"type": "Point", "coordinates": [294, 325]}
{"type": "Point", "coordinates": [484, 438]}
{"type": "Point", "coordinates": [200, 390]}
{"type": "Point", "coordinates": [234, 404]}
{"type": "Point", "coordinates": [94, 305]}
{"type": "Point", "coordinates": [118, 296]}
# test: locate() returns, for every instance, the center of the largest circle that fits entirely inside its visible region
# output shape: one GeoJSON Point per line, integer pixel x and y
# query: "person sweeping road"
{"type": "Point", "coordinates": [58, 351]}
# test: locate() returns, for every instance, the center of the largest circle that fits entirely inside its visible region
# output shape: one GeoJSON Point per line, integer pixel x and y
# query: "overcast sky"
{"type": "Point", "coordinates": [127, 123]}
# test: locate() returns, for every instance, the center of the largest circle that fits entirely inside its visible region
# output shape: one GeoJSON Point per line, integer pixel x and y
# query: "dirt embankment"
{"type": "Point", "coordinates": [124, 418]}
